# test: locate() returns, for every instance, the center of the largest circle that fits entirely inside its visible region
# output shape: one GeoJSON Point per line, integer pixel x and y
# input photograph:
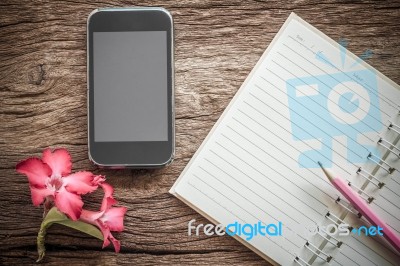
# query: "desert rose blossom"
{"type": "Point", "coordinates": [50, 178]}
{"type": "Point", "coordinates": [108, 218]}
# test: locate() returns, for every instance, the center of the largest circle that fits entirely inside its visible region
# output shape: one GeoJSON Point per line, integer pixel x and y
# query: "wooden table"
{"type": "Point", "coordinates": [43, 104]}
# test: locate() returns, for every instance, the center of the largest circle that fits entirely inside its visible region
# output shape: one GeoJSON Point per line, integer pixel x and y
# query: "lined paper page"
{"type": "Point", "coordinates": [364, 250]}
{"type": "Point", "coordinates": [376, 250]}
{"type": "Point", "coordinates": [387, 198]}
{"type": "Point", "coordinates": [305, 101]}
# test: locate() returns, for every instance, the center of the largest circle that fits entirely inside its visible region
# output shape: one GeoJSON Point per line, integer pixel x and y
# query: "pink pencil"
{"type": "Point", "coordinates": [361, 205]}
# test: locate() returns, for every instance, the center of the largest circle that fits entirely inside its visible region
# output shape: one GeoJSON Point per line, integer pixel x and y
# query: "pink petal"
{"type": "Point", "coordinates": [69, 203]}
{"type": "Point", "coordinates": [108, 200]}
{"type": "Point", "coordinates": [108, 236]}
{"type": "Point", "coordinates": [107, 203]}
{"type": "Point", "coordinates": [106, 242]}
{"type": "Point", "coordinates": [36, 171]}
{"type": "Point", "coordinates": [116, 243]}
{"type": "Point", "coordinates": [105, 231]}
{"type": "Point", "coordinates": [98, 179]}
{"type": "Point", "coordinates": [90, 216]}
{"type": "Point", "coordinates": [114, 218]}
{"type": "Point", "coordinates": [79, 182]}
{"type": "Point", "coordinates": [108, 189]}
{"type": "Point", "coordinates": [39, 194]}
{"type": "Point", "coordinates": [59, 161]}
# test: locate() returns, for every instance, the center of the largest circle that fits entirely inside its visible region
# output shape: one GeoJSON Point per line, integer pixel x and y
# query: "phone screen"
{"type": "Point", "coordinates": [130, 86]}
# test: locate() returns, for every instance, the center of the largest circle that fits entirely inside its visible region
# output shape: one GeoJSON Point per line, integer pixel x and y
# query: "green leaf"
{"type": "Point", "coordinates": [83, 227]}
{"type": "Point", "coordinates": [55, 216]}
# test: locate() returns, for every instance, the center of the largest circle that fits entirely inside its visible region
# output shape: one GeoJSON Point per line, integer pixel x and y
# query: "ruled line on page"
{"type": "Point", "coordinates": [245, 198]}
{"type": "Point", "coordinates": [393, 192]}
{"type": "Point", "coordinates": [238, 193]}
{"type": "Point", "coordinates": [369, 250]}
{"type": "Point", "coordinates": [266, 104]}
{"type": "Point", "coordinates": [219, 204]}
{"type": "Point", "coordinates": [300, 78]}
{"type": "Point", "coordinates": [291, 109]}
{"type": "Point", "coordinates": [258, 183]}
{"type": "Point", "coordinates": [281, 175]}
{"type": "Point", "coordinates": [344, 255]}
{"type": "Point", "coordinates": [382, 97]}
{"type": "Point", "coordinates": [272, 72]}
{"type": "Point", "coordinates": [387, 212]}
{"type": "Point", "coordinates": [394, 180]}
{"type": "Point", "coordinates": [273, 193]}
{"type": "Point", "coordinates": [313, 112]}
{"type": "Point", "coordinates": [250, 117]}
{"type": "Point", "coordinates": [245, 126]}
{"type": "Point", "coordinates": [330, 75]}
{"type": "Point", "coordinates": [272, 144]}
{"type": "Point", "coordinates": [389, 195]}
{"type": "Point", "coordinates": [395, 198]}
{"type": "Point", "coordinates": [390, 201]}
{"type": "Point", "coordinates": [334, 260]}
{"type": "Point", "coordinates": [313, 173]}
{"type": "Point", "coordinates": [257, 218]}
{"type": "Point", "coordinates": [321, 81]}
{"type": "Point", "coordinates": [294, 99]}
{"type": "Point", "coordinates": [263, 198]}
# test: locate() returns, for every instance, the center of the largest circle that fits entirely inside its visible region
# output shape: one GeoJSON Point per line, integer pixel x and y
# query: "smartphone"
{"type": "Point", "coordinates": [130, 87]}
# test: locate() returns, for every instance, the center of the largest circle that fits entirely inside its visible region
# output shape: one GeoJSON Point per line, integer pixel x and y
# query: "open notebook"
{"type": "Point", "coordinates": [307, 99]}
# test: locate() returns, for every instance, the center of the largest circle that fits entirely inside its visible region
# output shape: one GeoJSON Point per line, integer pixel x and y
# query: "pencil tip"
{"type": "Point", "coordinates": [326, 172]}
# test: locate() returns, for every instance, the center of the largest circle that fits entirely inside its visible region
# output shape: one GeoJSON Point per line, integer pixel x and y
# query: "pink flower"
{"type": "Point", "coordinates": [108, 218]}
{"type": "Point", "coordinates": [51, 178]}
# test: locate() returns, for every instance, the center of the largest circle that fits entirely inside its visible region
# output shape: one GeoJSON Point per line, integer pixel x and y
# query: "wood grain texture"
{"type": "Point", "coordinates": [43, 103]}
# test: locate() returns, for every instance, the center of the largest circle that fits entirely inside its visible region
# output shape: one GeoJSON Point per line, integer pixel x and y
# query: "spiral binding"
{"type": "Point", "coordinates": [381, 163]}
{"type": "Point", "coordinates": [368, 176]}
{"type": "Point", "coordinates": [339, 201]}
{"type": "Point", "coordinates": [369, 198]}
{"type": "Point", "coordinates": [337, 244]}
{"type": "Point", "coordinates": [329, 214]}
{"type": "Point", "coordinates": [300, 261]}
{"type": "Point", "coordinates": [392, 148]}
{"type": "Point", "coordinates": [317, 251]}
{"type": "Point", "coordinates": [394, 127]}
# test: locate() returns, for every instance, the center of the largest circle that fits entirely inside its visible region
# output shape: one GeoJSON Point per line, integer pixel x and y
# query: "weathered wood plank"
{"type": "Point", "coordinates": [43, 103]}
{"type": "Point", "coordinates": [88, 257]}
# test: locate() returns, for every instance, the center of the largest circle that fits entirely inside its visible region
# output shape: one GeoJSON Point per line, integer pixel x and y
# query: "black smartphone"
{"type": "Point", "coordinates": [130, 87]}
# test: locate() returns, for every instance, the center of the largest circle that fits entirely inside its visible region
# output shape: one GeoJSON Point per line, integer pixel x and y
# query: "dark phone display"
{"type": "Point", "coordinates": [130, 86]}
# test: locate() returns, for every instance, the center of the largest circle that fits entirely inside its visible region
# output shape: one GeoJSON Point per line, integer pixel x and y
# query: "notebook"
{"type": "Point", "coordinates": [308, 99]}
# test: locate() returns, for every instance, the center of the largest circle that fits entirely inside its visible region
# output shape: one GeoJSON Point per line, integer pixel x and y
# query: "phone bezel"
{"type": "Point", "coordinates": [140, 154]}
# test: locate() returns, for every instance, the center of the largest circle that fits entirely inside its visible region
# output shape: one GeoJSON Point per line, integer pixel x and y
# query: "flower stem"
{"type": "Point", "coordinates": [41, 249]}
{"type": "Point", "coordinates": [48, 204]}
